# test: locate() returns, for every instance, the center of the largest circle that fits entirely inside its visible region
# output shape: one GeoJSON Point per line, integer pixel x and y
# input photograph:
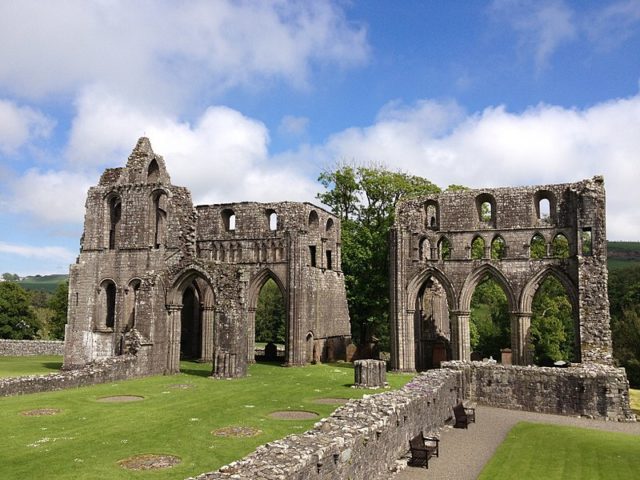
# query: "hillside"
{"type": "Point", "coordinates": [47, 283]}
{"type": "Point", "coordinates": [623, 254]}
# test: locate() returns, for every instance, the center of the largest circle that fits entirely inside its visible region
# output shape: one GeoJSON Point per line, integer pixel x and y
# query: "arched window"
{"type": "Point", "coordinates": [538, 247]}
{"type": "Point", "coordinates": [444, 249]}
{"type": "Point", "coordinates": [229, 220]}
{"type": "Point", "coordinates": [115, 215]}
{"type": "Point", "coordinates": [486, 206]}
{"type": "Point", "coordinates": [424, 249]}
{"type": "Point", "coordinates": [432, 214]}
{"type": "Point", "coordinates": [477, 248]}
{"type": "Point", "coordinates": [498, 248]}
{"type": "Point", "coordinates": [153, 172]}
{"type": "Point", "coordinates": [329, 228]}
{"type": "Point", "coordinates": [159, 218]}
{"type": "Point", "coordinates": [313, 220]}
{"type": "Point", "coordinates": [545, 203]}
{"type": "Point", "coordinates": [560, 246]}
{"type": "Point", "coordinates": [107, 305]}
{"type": "Point", "coordinates": [273, 220]}
{"type": "Point", "coordinates": [131, 302]}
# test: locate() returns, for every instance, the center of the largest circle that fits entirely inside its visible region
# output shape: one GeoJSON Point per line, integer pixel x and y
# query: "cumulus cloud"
{"type": "Point", "coordinates": [167, 51]}
{"type": "Point", "coordinates": [19, 125]}
{"type": "Point", "coordinates": [543, 144]}
{"type": "Point", "coordinates": [541, 26]}
{"type": "Point", "coordinates": [50, 196]}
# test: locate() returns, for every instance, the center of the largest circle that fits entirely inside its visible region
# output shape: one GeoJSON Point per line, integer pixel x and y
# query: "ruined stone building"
{"type": "Point", "coordinates": [164, 280]}
{"type": "Point", "coordinates": [434, 270]}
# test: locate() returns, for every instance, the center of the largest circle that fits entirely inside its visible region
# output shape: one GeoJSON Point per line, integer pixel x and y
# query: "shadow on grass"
{"type": "Point", "coordinates": [52, 365]}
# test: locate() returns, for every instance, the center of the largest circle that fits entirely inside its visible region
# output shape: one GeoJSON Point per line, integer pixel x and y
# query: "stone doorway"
{"type": "Point", "coordinates": [190, 325]}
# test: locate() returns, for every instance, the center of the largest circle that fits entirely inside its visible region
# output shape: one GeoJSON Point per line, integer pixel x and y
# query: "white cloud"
{"type": "Point", "coordinates": [542, 26]}
{"type": "Point", "coordinates": [19, 125]}
{"type": "Point", "coordinates": [51, 196]}
{"type": "Point", "coordinates": [543, 144]}
{"type": "Point", "coordinates": [613, 24]}
{"type": "Point", "coordinates": [292, 125]}
{"type": "Point", "coordinates": [55, 254]}
{"type": "Point", "coordinates": [167, 51]}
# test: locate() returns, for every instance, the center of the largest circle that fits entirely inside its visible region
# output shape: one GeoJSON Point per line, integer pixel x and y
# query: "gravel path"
{"type": "Point", "coordinates": [463, 453]}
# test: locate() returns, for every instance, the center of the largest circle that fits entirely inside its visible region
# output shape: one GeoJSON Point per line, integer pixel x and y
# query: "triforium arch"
{"type": "Point", "coordinates": [431, 298]}
{"type": "Point", "coordinates": [255, 286]}
{"type": "Point", "coordinates": [573, 213]}
{"type": "Point", "coordinates": [190, 318]}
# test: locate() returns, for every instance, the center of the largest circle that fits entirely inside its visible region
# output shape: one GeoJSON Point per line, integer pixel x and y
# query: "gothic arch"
{"type": "Point", "coordinates": [530, 289]}
{"type": "Point", "coordinates": [416, 284]}
{"type": "Point", "coordinates": [475, 277]}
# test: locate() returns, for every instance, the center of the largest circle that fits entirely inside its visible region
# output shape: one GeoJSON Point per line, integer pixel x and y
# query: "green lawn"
{"type": "Point", "coordinates": [549, 452]}
{"type": "Point", "coordinates": [87, 438]}
{"type": "Point", "coordinates": [32, 365]}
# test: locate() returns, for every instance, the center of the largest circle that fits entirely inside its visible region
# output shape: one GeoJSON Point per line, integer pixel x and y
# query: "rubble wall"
{"type": "Point", "coordinates": [361, 440]}
{"type": "Point", "coordinates": [587, 390]}
{"type": "Point", "coordinates": [23, 348]}
{"type": "Point", "coordinates": [111, 370]}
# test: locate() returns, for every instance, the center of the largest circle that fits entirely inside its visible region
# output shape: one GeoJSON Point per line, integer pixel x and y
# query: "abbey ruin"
{"type": "Point", "coordinates": [162, 279]}
{"type": "Point", "coordinates": [443, 246]}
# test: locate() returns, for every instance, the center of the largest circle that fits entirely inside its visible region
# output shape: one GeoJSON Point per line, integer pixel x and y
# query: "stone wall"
{"type": "Point", "coordinates": [361, 440]}
{"type": "Point", "coordinates": [110, 370]}
{"type": "Point", "coordinates": [588, 390]}
{"type": "Point", "coordinates": [20, 348]}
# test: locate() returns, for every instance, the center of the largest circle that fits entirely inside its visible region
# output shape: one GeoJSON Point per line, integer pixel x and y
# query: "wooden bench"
{"type": "Point", "coordinates": [464, 416]}
{"type": "Point", "coordinates": [423, 448]}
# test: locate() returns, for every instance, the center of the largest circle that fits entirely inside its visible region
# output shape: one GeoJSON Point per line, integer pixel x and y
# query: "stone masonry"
{"type": "Point", "coordinates": [434, 270]}
{"type": "Point", "coordinates": [22, 348]}
{"type": "Point", "coordinates": [163, 280]}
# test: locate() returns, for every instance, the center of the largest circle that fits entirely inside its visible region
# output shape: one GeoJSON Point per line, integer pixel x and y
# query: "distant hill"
{"type": "Point", "coordinates": [623, 254]}
{"type": "Point", "coordinates": [48, 283]}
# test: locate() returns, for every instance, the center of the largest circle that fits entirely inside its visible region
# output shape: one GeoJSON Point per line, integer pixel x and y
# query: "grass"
{"type": "Point", "coordinates": [634, 399]}
{"type": "Point", "coordinates": [32, 365]}
{"type": "Point", "coordinates": [87, 438]}
{"type": "Point", "coordinates": [537, 451]}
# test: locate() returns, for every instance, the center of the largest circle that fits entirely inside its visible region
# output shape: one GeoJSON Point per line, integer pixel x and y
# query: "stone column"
{"type": "Point", "coordinates": [208, 314]}
{"type": "Point", "coordinates": [173, 338]}
{"type": "Point", "coordinates": [460, 336]}
{"type": "Point", "coordinates": [251, 335]}
{"type": "Point", "coordinates": [520, 338]}
{"type": "Point", "coordinates": [370, 373]}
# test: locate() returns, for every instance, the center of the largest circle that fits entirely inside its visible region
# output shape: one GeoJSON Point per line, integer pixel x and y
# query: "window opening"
{"type": "Point", "coordinates": [273, 221]}
{"type": "Point", "coordinates": [115, 215]}
{"type": "Point", "coordinates": [544, 209]}
{"type": "Point", "coordinates": [153, 172]}
{"type": "Point", "coordinates": [329, 264]}
{"type": "Point", "coordinates": [538, 247]}
{"type": "Point", "coordinates": [444, 248]}
{"type": "Point", "coordinates": [229, 220]}
{"type": "Point", "coordinates": [160, 207]}
{"type": "Point", "coordinates": [312, 255]}
{"type": "Point", "coordinates": [313, 220]}
{"type": "Point", "coordinates": [560, 246]}
{"type": "Point", "coordinates": [587, 241]}
{"type": "Point", "coordinates": [110, 292]}
{"type": "Point", "coordinates": [477, 248]}
{"type": "Point", "coordinates": [498, 248]}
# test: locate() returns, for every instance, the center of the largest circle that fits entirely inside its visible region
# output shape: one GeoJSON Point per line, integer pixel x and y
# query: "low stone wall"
{"type": "Point", "coordinates": [110, 370]}
{"type": "Point", "coordinates": [361, 440]}
{"type": "Point", "coordinates": [19, 348]}
{"type": "Point", "coordinates": [587, 390]}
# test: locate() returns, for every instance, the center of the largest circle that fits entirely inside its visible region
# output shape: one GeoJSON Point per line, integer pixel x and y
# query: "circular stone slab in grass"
{"type": "Point", "coordinates": [293, 415]}
{"type": "Point", "coordinates": [120, 399]}
{"type": "Point", "coordinates": [236, 431]}
{"type": "Point", "coordinates": [40, 412]}
{"type": "Point", "coordinates": [331, 401]}
{"type": "Point", "coordinates": [149, 461]}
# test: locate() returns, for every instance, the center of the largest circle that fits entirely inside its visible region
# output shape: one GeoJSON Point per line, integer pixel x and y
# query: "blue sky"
{"type": "Point", "coordinates": [251, 100]}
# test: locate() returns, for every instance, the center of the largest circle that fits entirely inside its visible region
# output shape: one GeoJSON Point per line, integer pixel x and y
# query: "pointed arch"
{"type": "Point", "coordinates": [537, 246]}
{"type": "Point", "coordinates": [476, 276]}
{"type": "Point", "coordinates": [416, 284]}
{"type": "Point", "coordinates": [530, 289]}
{"type": "Point", "coordinates": [258, 281]}
{"type": "Point", "coordinates": [477, 248]}
{"type": "Point", "coordinates": [498, 248]}
{"type": "Point", "coordinates": [153, 172]}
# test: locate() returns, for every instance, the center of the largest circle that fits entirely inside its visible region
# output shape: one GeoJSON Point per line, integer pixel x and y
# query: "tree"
{"type": "Point", "coordinates": [17, 320]}
{"type": "Point", "coordinates": [10, 277]}
{"type": "Point", "coordinates": [490, 323]}
{"type": "Point", "coordinates": [365, 198]}
{"type": "Point", "coordinates": [270, 314]}
{"type": "Point", "coordinates": [58, 305]}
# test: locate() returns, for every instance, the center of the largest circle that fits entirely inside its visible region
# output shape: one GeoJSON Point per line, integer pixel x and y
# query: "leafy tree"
{"type": "Point", "coordinates": [624, 299]}
{"type": "Point", "coordinates": [58, 305]}
{"type": "Point", "coordinates": [270, 314]}
{"type": "Point", "coordinates": [552, 331]}
{"type": "Point", "coordinates": [10, 277]}
{"type": "Point", "coordinates": [17, 320]}
{"type": "Point", "coordinates": [364, 198]}
{"type": "Point", "coordinates": [490, 322]}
